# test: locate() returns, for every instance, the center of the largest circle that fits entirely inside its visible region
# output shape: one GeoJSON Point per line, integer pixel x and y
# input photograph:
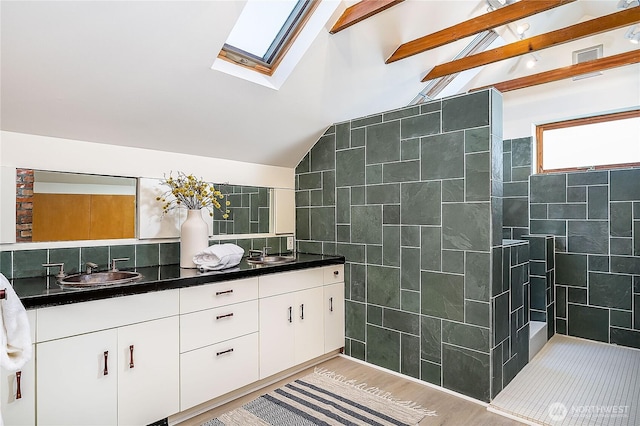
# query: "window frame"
{"type": "Point", "coordinates": [278, 48]}
{"type": "Point", "coordinates": [541, 128]}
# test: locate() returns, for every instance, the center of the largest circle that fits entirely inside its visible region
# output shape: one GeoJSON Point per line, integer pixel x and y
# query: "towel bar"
{"type": "Point", "coordinates": [3, 294]}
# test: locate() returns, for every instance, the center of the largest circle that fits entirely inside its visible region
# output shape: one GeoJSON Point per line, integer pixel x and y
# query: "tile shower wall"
{"type": "Point", "coordinates": [28, 263]}
{"type": "Point", "coordinates": [595, 217]}
{"type": "Point", "coordinates": [510, 310]}
{"type": "Point", "coordinates": [516, 171]}
{"type": "Point", "coordinates": [542, 306]}
{"type": "Point", "coordinates": [411, 198]}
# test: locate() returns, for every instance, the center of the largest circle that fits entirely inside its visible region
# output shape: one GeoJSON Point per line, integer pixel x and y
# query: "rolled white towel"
{"type": "Point", "coordinates": [15, 335]}
{"type": "Point", "coordinates": [219, 256]}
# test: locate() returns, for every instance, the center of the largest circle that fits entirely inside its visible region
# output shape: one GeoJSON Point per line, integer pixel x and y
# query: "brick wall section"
{"type": "Point", "coordinates": [24, 205]}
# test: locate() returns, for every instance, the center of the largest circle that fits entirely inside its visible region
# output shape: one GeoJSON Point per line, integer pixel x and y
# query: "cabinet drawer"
{"type": "Point", "coordinates": [286, 282]}
{"type": "Point", "coordinates": [333, 274]}
{"type": "Point", "coordinates": [77, 318]}
{"type": "Point", "coordinates": [211, 326]}
{"type": "Point", "coordinates": [218, 294]}
{"type": "Point", "coordinates": [212, 371]}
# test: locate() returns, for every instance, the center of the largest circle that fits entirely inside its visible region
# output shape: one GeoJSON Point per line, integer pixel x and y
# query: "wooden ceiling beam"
{"type": "Point", "coordinates": [620, 60]}
{"type": "Point", "coordinates": [361, 11]}
{"type": "Point", "coordinates": [594, 26]}
{"type": "Point", "coordinates": [498, 17]}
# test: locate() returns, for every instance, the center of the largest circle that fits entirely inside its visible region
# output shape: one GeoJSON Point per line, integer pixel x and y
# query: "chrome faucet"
{"type": "Point", "coordinates": [262, 253]}
{"type": "Point", "coordinates": [60, 273]}
{"type": "Point", "coordinates": [113, 263]}
{"type": "Point", "coordinates": [90, 266]}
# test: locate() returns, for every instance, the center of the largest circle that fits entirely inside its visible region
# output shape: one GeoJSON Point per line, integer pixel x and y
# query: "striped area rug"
{"type": "Point", "coordinates": [324, 398]}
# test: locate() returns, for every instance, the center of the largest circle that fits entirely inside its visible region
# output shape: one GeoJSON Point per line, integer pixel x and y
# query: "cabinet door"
{"type": "Point", "coordinates": [309, 324]}
{"type": "Point", "coordinates": [277, 318]}
{"type": "Point", "coordinates": [77, 383]}
{"type": "Point", "coordinates": [19, 408]}
{"type": "Point", "coordinates": [333, 317]}
{"type": "Point", "coordinates": [148, 371]}
{"type": "Point", "coordinates": [18, 390]}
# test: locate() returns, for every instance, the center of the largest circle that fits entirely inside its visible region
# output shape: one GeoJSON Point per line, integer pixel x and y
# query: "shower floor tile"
{"type": "Point", "coordinates": [573, 381]}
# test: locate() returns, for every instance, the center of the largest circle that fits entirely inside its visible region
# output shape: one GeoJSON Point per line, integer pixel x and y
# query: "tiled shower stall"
{"type": "Point", "coordinates": [594, 218]}
{"type": "Point", "coordinates": [412, 199]}
{"type": "Point", "coordinates": [415, 200]}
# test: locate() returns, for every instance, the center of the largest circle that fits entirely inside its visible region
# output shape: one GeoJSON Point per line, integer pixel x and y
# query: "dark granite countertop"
{"type": "Point", "coordinates": [39, 292]}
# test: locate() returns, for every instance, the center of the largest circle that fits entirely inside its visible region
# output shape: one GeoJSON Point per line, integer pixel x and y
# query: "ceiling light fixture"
{"type": "Point", "coordinates": [623, 4]}
{"type": "Point", "coordinates": [522, 28]}
{"type": "Point", "coordinates": [633, 34]}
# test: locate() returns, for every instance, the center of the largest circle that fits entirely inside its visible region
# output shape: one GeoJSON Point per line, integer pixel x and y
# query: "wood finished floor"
{"type": "Point", "coordinates": [451, 409]}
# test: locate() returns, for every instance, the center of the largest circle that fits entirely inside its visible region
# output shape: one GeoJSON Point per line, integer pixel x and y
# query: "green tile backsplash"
{"type": "Point", "coordinates": [28, 263]}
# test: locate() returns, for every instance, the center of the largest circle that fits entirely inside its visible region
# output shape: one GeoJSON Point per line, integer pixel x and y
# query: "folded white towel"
{"type": "Point", "coordinates": [219, 256]}
{"type": "Point", "coordinates": [15, 335]}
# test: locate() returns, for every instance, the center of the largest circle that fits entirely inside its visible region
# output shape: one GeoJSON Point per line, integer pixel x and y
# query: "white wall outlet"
{"type": "Point", "coordinates": [289, 243]}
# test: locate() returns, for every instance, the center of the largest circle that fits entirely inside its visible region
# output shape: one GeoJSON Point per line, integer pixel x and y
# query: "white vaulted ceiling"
{"type": "Point", "coordinates": [138, 73]}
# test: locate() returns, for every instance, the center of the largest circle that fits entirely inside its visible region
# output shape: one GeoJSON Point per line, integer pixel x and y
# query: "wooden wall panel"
{"type": "Point", "coordinates": [112, 216]}
{"type": "Point", "coordinates": [70, 217]}
{"type": "Point", "coordinates": [61, 217]}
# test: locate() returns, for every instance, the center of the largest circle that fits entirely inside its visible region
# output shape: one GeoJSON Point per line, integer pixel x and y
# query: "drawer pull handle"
{"type": "Point", "coordinates": [336, 273]}
{"type": "Point", "coordinates": [106, 358]}
{"type": "Point", "coordinates": [224, 352]}
{"type": "Point", "coordinates": [218, 293]}
{"type": "Point", "coordinates": [302, 311]}
{"type": "Point", "coordinates": [18, 391]}
{"type": "Point", "coordinates": [224, 316]}
{"type": "Point", "coordinates": [331, 304]}
{"type": "Point", "coordinates": [290, 313]}
{"type": "Point", "coordinates": [131, 356]}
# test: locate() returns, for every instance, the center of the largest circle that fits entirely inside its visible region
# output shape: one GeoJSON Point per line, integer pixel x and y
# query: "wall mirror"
{"type": "Point", "coordinates": [61, 206]}
{"type": "Point", "coordinates": [250, 211]}
{"type": "Point", "coordinates": [58, 206]}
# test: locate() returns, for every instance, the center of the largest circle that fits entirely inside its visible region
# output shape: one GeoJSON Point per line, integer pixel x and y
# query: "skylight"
{"type": "Point", "coordinates": [264, 31]}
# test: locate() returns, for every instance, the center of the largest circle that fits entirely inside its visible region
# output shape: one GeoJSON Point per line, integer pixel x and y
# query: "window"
{"type": "Point", "coordinates": [599, 142]}
{"type": "Point", "coordinates": [264, 32]}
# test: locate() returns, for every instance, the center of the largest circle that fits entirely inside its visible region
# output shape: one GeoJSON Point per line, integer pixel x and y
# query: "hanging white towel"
{"type": "Point", "coordinates": [15, 336]}
{"type": "Point", "coordinates": [219, 256]}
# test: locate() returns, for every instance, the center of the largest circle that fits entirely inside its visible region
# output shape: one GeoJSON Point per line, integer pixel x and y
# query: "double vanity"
{"type": "Point", "coordinates": [173, 342]}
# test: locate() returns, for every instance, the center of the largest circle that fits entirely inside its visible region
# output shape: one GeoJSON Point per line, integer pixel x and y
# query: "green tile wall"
{"type": "Point", "coordinates": [594, 219]}
{"type": "Point", "coordinates": [594, 216]}
{"type": "Point", "coordinates": [415, 199]}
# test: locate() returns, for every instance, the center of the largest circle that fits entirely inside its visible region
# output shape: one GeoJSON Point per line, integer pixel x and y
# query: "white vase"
{"type": "Point", "coordinates": [194, 237]}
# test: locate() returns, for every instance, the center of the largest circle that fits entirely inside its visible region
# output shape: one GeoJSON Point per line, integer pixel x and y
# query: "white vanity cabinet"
{"type": "Point", "coordinates": [110, 361]}
{"type": "Point", "coordinates": [333, 317]}
{"type": "Point", "coordinates": [291, 319]}
{"type": "Point", "coordinates": [334, 320]}
{"type": "Point", "coordinates": [134, 360]}
{"type": "Point", "coordinates": [18, 388]}
{"type": "Point", "coordinates": [218, 339]}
